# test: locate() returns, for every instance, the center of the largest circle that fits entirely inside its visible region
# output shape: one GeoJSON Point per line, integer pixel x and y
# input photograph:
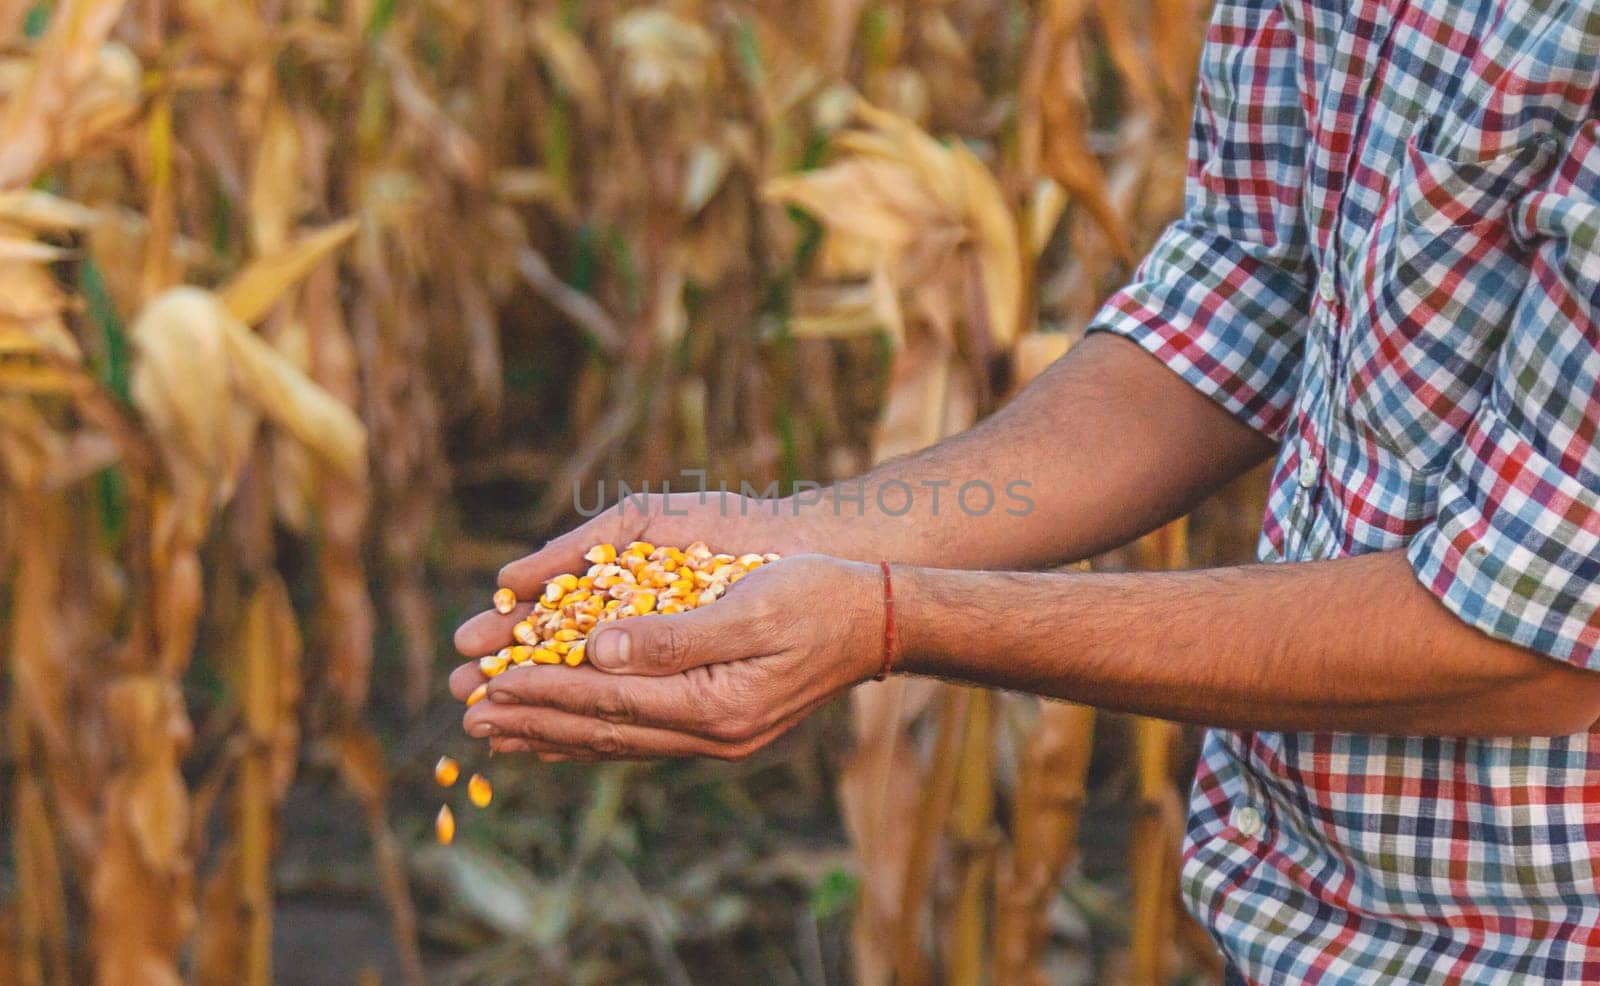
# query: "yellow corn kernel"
{"type": "Point", "coordinates": [574, 598]}
{"type": "Point", "coordinates": [709, 596]}
{"type": "Point", "coordinates": [446, 771]}
{"type": "Point", "coordinates": [682, 585]}
{"type": "Point", "coordinates": [569, 582]}
{"type": "Point", "coordinates": [478, 694]}
{"type": "Point", "coordinates": [544, 655]}
{"type": "Point", "coordinates": [567, 623]}
{"type": "Point", "coordinates": [641, 548]}
{"type": "Point", "coordinates": [642, 602]}
{"type": "Point", "coordinates": [559, 646]}
{"type": "Point", "coordinates": [748, 562]}
{"type": "Point", "coordinates": [444, 826]}
{"type": "Point", "coordinates": [525, 633]}
{"type": "Point", "coordinates": [552, 594]}
{"type": "Point", "coordinates": [567, 635]}
{"type": "Point", "coordinates": [504, 601]}
{"type": "Point", "coordinates": [698, 551]}
{"type": "Point", "coordinates": [601, 554]}
{"type": "Point", "coordinates": [479, 792]}
{"type": "Point", "coordinates": [521, 654]}
{"type": "Point", "coordinates": [669, 607]}
{"type": "Point", "coordinates": [493, 664]}
{"type": "Point", "coordinates": [736, 576]}
{"type": "Point", "coordinates": [585, 582]}
{"type": "Point", "coordinates": [612, 604]}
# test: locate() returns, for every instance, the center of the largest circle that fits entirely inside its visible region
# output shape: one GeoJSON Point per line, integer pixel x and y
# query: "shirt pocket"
{"type": "Point", "coordinates": [1438, 280]}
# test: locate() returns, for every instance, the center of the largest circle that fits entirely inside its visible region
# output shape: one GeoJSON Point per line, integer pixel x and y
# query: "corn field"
{"type": "Point", "coordinates": [313, 312]}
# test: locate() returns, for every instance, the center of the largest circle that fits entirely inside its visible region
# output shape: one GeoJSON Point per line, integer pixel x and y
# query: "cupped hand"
{"type": "Point", "coordinates": [720, 681]}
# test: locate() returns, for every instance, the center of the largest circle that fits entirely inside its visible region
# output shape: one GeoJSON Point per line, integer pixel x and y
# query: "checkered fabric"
{"type": "Point", "coordinates": [1390, 262]}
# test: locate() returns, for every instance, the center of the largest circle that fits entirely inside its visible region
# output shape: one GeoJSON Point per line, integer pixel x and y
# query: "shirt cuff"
{"type": "Point", "coordinates": [1515, 549]}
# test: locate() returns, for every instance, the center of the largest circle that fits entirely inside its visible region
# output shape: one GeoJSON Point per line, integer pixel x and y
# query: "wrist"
{"type": "Point", "coordinates": [918, 640]}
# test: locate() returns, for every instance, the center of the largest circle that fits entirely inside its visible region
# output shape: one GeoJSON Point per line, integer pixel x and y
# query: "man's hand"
{"type": "Point", "coordinates": [720, 681]}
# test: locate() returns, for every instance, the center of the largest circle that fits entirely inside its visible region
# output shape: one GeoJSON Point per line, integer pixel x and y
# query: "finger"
{"type": "Point", "coordinates": [609, 740]}
{"type": "Point", "coordinates": [464, 679]}
{"type": "Point", "coordinates": [732, 629]}
{"type": "Point", "coordinates": [683, 703]}
{"type": "Point", "coordinates": [557, 736]}
{"type": "Point", "coordinates": [489, 631]}
{"type": "Point", "coordinates": [527, 575]}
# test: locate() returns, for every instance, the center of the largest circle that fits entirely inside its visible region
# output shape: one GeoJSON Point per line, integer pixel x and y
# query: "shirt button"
{"type": "Point", "coordinates": [1308, 471]}
{"type": "Point", "coordinates": [1325, 286]}
{"type": "Point", "coordinates": [1247, 819]}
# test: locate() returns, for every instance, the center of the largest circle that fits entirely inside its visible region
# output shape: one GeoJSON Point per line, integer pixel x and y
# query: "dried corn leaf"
{"type": "Point", "coordinates": [38, 116]}
{"type": "Point", "coordinates": [255, 289]}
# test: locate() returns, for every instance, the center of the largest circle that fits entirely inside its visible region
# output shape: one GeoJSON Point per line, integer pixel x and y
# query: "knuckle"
{"type": "Point", "coordinates": [670, 645]}
{"type": "Point", "coordinates": [614, 705]}
{"type": "Point", "coordinates": [608, 740]}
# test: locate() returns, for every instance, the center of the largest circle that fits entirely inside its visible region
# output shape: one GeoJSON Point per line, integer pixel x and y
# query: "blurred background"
{"type": "Point", "coordinates": [314, 312]}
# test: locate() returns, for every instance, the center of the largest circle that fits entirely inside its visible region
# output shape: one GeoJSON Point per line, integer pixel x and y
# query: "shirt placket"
{"type": "Point", "coordinates": [1324, 335]}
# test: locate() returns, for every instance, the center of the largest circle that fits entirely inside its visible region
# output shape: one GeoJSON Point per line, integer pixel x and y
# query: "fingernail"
{"type": "Point", "coordinates": [611, 650]}
{"type": "Point", "coordinates": [483, 730]}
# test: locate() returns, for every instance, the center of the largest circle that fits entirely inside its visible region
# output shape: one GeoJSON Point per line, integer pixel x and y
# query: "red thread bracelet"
{"type": "Point", "coordinates": [888, 624]}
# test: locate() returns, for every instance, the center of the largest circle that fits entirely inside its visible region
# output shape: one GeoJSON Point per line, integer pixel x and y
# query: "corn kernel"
{"type": "Point", "coordinates": [521, 654]}
{"type": "Point", "coordinates": [544, 655]}
{"type": "Point", "coordinates": [525, 633]}
{"type": "Point", "coordinates": [642, 602]}
{"type": "Point", "coordinates": [444, 826]}
{"type": "Point", "coordinates": [569, 582]}
{"type": "Point", "coordinates": [567, 635]}
{"type": "Point", "coordinates": [504, 601]}
{"type": "Point", "coordinates": [493, 664]}
{"type": "Point", "coordinates": [552, 594]}
{"type": "Point", "coordinates": [575, 654]}
{"type": "Point", "coordinates": [446, 771]}
{"type": "Point", "coordinates": [641, 548]}
{"type": "Point", "coordinates": [479, 791]}
{"type": "Point", "coordinates": [478, 694]}
{"type": "Point", "coordinates": [601, 554]}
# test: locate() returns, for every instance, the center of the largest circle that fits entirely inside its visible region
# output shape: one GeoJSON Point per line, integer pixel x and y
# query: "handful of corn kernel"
{"type": "Point", "coordinates": [640, 579]}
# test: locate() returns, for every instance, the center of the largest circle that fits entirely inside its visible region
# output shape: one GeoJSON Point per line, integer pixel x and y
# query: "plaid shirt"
{"type": "Point", "coordinates": [1389, 262]}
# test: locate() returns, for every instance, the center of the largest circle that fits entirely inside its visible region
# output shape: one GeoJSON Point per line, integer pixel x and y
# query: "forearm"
{"type": "Point", "coordinates": [1350, 645]}
{"type": "Point", "coordinates": [1105, 445]}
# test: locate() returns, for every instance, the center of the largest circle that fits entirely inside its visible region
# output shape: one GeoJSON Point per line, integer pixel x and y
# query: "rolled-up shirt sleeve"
{"type": "Point", "coordinates": [1515, 549]}
{"type": "Point", "coordinates": [1222, 297]}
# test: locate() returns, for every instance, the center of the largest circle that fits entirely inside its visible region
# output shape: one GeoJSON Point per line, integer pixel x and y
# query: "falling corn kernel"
{"type": "Point", "coordinates": [504, 601]}
{"type": "Point", "coordinates": [446, 771]}
{"type": "Point", "coordinates": [478, 694]}
{"type": "Point", "coordinates": [444, 825]}
{"type": "Point", "coordinates": [493, 664]}
{"type": "Point", "coordinates": [479, 792]}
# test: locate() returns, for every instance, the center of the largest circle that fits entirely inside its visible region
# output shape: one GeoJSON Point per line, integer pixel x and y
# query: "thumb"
{"type": "Point", "coordinates": [663, 645]}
